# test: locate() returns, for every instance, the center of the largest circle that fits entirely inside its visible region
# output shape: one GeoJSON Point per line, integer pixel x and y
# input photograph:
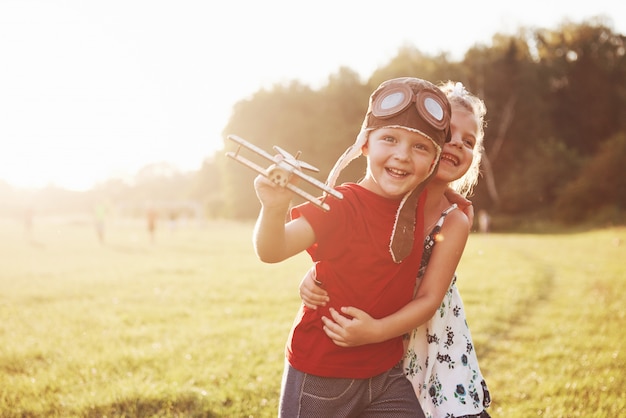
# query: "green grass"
{"type": "Point", "coordinates": [194, 326]}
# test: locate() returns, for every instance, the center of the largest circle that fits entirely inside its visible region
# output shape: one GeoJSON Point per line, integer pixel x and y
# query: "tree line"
{"type": "Point", "coordinates": [555, 140]}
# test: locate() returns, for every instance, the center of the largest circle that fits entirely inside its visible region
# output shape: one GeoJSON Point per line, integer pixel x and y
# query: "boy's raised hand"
{"type": "Point", "coordinates": [271, 196]}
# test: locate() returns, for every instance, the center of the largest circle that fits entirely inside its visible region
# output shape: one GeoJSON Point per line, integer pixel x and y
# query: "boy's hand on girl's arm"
{"type": "Point", "coordinates": [463, 203]}
{"type": "Point", "coordinates": [469, 212]}
{"type": "Point", "coordinates": [311, 294]}
{"type": "Point", "coordinates": [359, 329]}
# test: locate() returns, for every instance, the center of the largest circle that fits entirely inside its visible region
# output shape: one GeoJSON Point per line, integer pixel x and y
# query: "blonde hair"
{"type": "Point", "coordinates": [457, 94]}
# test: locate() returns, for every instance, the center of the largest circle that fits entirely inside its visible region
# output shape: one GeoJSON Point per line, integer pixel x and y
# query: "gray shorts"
{"type": "Point", "coordinates": [388, 395]}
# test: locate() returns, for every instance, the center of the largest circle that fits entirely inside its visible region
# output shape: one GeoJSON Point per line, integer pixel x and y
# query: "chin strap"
{"type": "Point", "coordinates": [404, 228]}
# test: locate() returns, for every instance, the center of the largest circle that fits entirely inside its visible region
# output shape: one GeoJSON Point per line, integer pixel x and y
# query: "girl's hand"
{"type": "Point", "coordinates": [354, 329]}
{"type": "Point", "coordinates": [311, 292]}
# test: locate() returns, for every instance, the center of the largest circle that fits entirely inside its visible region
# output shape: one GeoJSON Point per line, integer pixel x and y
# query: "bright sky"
{"type": "Point", "coordinates": [91, 90]}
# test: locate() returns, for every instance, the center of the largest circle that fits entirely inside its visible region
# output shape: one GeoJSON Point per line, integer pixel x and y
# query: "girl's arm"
{"type": "Point", "coordinates": [274, 240]}
{"type": "Point", "coordinates": [356, 327]}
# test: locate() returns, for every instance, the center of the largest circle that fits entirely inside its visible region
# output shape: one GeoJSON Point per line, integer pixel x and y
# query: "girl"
{"type": "Point", "coordinates": [440, 360]}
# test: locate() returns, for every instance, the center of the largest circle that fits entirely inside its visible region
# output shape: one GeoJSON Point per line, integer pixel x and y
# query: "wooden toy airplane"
{"type": "Point", "coordinates": [281, 171]}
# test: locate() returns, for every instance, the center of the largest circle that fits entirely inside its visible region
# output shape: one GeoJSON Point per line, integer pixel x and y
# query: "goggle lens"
{"type": "Point", "coordinates": [392, 101]}
{"type": "Point", "coordinates": [430, 108]}
{"type": "Point", "coordinates": [434, 108]}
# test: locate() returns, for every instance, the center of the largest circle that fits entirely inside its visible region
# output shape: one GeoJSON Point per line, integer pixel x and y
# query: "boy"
{"type": "Point", "coordinates": [364, 254]}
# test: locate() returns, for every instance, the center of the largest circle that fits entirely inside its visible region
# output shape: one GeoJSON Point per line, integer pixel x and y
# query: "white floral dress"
{"type": "Point", "coordinates": [440, 360]}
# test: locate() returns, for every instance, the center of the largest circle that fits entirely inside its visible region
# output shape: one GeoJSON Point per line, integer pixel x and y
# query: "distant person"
{"type": "Point", "coordinates": [484, 221]}
{"type": "Point", "coordinates": [173, 220]}
{"type": "Point", "coordinates": [152, 221]}
{"type": "Point", "coordinates": [100, 218]}
{"type": "Point", "coordinates": [440, 361]}
{"type": "Point", "coordinates": [364, 255]}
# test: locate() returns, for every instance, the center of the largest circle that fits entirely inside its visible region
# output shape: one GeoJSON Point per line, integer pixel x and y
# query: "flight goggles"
{"type": "Point", "coordinates": [413, 104]}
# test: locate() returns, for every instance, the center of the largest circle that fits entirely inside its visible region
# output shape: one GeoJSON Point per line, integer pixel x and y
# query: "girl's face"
{"type": "Point", "coordinates": [398, 160]}
{"type": "Point", "coordinates": [457, 155]}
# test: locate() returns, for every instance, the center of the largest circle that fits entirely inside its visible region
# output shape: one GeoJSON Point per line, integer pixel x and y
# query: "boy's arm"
{"type": "Point", "coordinates": [355, 327]}
{"type": "Point", "coordinates": [464, 204]}
{"type": "Point", "coordinates": [274, 240]}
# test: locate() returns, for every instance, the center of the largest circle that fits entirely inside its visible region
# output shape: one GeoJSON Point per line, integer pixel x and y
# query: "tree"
{"type": "Point", "coordinates": [586, 64]}
{"type": "Point", "coordinates": [208, 186]}
{"type": "Point", "coordinates": [599, 188]}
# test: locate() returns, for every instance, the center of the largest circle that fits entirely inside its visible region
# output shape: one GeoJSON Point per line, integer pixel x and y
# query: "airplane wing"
{"type": "Point", "coordinates": [291, 165]}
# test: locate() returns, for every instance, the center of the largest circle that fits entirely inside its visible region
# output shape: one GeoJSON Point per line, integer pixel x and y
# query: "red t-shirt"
{"type": "Point", "coordinates": [355, 266]}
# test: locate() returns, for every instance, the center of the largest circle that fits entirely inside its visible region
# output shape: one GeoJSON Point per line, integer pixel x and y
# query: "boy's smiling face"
{"type": "Point", "coordinates": [398, 161]}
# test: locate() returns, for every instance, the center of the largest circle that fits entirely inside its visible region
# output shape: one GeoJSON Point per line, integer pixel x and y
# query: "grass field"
{"type": "Point", "coordinates": [193, 325]}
